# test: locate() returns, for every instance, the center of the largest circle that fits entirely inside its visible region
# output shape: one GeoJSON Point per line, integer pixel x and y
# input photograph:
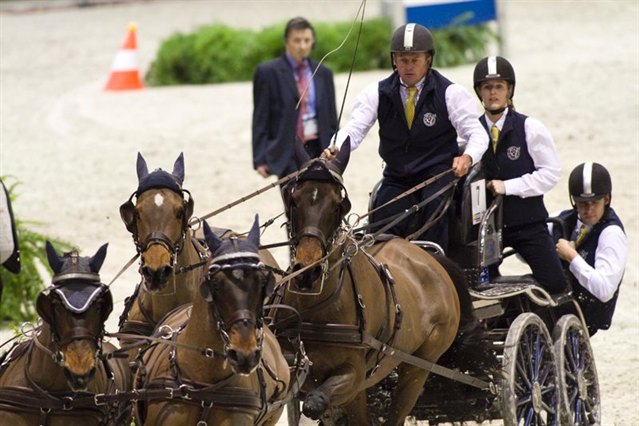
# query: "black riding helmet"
{"type": "Point", "coordinates": [589, 182]}
{"type": "Point", "coordinates": [412, 38]}
{"type": "Point", "coordinates": [493, 68]}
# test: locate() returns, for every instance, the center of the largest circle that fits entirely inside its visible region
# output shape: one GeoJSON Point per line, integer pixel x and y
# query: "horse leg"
{"type": "Point", "coordinates": [410, 384]}
{"type": "Point", "coordinates": [335, 390]}
{"type": "Point", "coordinates": [357, 410]}
{"type": "Point", "coordinates": [411, 379]}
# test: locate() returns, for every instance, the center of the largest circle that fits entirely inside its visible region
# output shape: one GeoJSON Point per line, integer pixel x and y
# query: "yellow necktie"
{"type": "Point", "coordinates": [409, 108]}
{"type": "Point", "coordinates": [582, 233]}
{"type": "Point", "coordinates": [494, 132]}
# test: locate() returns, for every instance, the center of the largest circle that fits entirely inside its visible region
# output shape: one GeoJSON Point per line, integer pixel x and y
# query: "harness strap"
{"type": "Point", "coordinates": [218, 394]}
{"type": "Point", "coordinates": [371, 342]}
{"type": "Point", "coordinates": [26, 399]}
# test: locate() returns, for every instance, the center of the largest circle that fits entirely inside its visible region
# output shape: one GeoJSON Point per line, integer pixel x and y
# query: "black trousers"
{"type": "Point", "coordinates": [392, 187]}
{"type": "Point", "coordinates": [534, 244]}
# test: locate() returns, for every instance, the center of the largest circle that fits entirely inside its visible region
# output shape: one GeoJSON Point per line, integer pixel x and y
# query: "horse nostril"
{"type": "Point", "coordinates": [147, 272]}
{"type": "Point", "coordinates": [164, 273]}
{"type": "Point", "coordinates": [232, 355]}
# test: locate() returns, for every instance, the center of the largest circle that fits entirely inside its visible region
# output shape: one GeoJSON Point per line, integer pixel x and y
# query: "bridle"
{"type": "Point", "coordinates": [158, 237]}
{"type": "Point", "coordinates": [78, 332]}
{"type": "Point", "coordinates": [318, 169]}
{"type": "Point", "coordinates": [237, 261]}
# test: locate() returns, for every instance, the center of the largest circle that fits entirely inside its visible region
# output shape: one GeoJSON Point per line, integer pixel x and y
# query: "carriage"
{"type": "Point", "coordinates": [546, 371]}
{"type": "Point", "coordinates": [536, 366]}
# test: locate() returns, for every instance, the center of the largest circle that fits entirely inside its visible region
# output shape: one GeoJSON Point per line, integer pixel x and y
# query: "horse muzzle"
{"type": "Point", "coordinates": [244, 348]}
{"type": "Point", "coordinates": [79, 382]}
{"type": "Point", "coordinates": [307, 279]}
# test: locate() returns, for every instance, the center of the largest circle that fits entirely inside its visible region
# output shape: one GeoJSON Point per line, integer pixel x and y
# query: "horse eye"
{"type": "Point", "coordinates": [180, 214]}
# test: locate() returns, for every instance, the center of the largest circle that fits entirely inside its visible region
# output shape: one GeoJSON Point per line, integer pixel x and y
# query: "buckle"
{"type": "Point", "coordinates": [98, 396]}
{"type": "Point", "coordinates": [67, 403]}
{"type": "Point", "coordinates": [171, 395]}
{"type": "Point", "coordinates": [184, 390]}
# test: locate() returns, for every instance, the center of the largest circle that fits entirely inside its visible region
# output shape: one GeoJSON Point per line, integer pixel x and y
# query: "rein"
{"type": "Point", "coordinates": [432, 220]}
{"type": "Point", "coordinates": [240, 200]}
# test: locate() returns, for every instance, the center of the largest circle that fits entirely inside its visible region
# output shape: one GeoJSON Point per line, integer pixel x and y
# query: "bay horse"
{"type": "Point", "coordinates": [158, 221]}
{"type": "Point", "coordinates": [59, 376]}
{"type": "Point", "coordinates": [218, 364]}
{"type": "Point", "coordinates": [350, 296]}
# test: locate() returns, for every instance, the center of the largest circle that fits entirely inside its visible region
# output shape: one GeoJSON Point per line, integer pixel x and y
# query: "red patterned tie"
{"type": "Point", "coordinates": [301, 87]}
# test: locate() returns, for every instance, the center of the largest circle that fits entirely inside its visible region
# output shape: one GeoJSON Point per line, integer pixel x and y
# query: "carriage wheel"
{"type": "Point", "coordinates": [529, 394]}
{"type": "Point", "coordinates": [578, 383]}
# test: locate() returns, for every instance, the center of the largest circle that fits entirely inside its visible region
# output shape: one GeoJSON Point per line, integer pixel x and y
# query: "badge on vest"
{"type": "Point", "coordinates": [513, 152]}
{"type": "Point", "coordinates": [430, 119]}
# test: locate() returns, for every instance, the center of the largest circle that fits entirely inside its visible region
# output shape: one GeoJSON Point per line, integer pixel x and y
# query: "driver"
{"type": "Point", "coordinates": [597, 250]}
{"type": "Point", "coordinates": [421, 115]}
{"type": "Point", "coordinates": [521, 165]}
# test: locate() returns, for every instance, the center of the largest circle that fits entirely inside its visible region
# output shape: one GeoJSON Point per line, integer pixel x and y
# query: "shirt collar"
{"type": "Point", "coordinates": [293, 63]}
{"type": "Point", "coordinates": [500, 122]}
{"type": "Point", "coordinates": [419, 84]}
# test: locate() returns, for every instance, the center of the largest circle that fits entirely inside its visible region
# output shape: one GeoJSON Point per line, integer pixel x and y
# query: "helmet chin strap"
{"type": "Point", "coordinates": [496, 111]}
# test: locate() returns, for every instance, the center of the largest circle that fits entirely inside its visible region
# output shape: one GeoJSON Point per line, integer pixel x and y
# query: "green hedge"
{"type": "Point", "coordinates": [218, 53]}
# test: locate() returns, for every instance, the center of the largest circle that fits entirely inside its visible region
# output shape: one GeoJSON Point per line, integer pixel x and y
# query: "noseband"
{"type": "Point", "coordinates": [77, 333]}
{"type": "Point", "coordinates": [159, 237]}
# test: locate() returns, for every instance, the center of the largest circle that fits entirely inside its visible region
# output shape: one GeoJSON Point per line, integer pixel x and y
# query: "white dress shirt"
{"type": "Point", "coordinates": [461, 107]}
{"type": "Point", "coordinates": [604, 278]}
{"type": "Point", "coordinates": [541, 148]}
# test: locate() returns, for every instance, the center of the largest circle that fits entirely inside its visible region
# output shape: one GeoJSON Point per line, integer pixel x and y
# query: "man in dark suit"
{"type": "Point", "coordinates": [280, 119]}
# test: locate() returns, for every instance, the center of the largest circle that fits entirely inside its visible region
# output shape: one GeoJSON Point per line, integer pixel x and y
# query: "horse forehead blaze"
{"type": "Point", "coordinates": [158, 199]}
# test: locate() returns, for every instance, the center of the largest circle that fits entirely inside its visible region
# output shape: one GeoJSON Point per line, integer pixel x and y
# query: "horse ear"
{"type": "Point", "coordinates": [270, 285]}
{"type": "Point", "coordinates": [212, 240]}
{"type": "Point", "coordinates": [106, 306]}
{"type": "Point", "coordinates": [254, 233]}
{"type": "Point", "coordinates": [44, 307]}
{"type": "Point", "coordinates": [345, 207]}
{"type": "Point", "coordinates": [98, 258]}
{"type": "Point", "coordinates": [301, 156]}
{"type": "Point", "coordinates": [178, 169]}
{"type": "Point", "coordinates": [54, 260]}
{"type": "Point", "coordinates": [188, 208]}
{"type": "Point", "coordinates": [205, 291]}
{"type": "Point", "coordinates": [141, 167]}
{"type": "Point", "coordinates": [343, 155]}
{"type": "Point", "coordinates": [127, 213]}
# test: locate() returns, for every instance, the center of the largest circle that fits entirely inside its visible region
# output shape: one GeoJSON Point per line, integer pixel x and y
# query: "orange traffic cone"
{"type": "Point", "coordinates": [124, 71]}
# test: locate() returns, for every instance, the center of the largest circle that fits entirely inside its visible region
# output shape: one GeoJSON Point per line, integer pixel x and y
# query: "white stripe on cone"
{"type": "Point", "coordinates": [125, 60]}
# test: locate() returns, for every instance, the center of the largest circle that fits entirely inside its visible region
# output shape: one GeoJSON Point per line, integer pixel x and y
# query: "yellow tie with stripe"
{"type": "Point", "coordinates": [494, 132]}
{"type": "Point", "coordinates": [582, 233]}
{"type": "Point", "coordinates": [409, 108]}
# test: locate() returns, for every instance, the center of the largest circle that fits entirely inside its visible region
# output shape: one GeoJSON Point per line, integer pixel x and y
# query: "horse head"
{"type": "Point", "coordinates": [316, 202]}
{"type": "Point", "coordinates": [158, 221]}
{"type": "Point", "coordinates": [75, 309]}
{"type": "Point", "coordinates": [235, 288]}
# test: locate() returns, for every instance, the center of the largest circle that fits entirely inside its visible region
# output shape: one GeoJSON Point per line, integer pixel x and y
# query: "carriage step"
{"type": "Point", "coordinates": [485, 309]}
